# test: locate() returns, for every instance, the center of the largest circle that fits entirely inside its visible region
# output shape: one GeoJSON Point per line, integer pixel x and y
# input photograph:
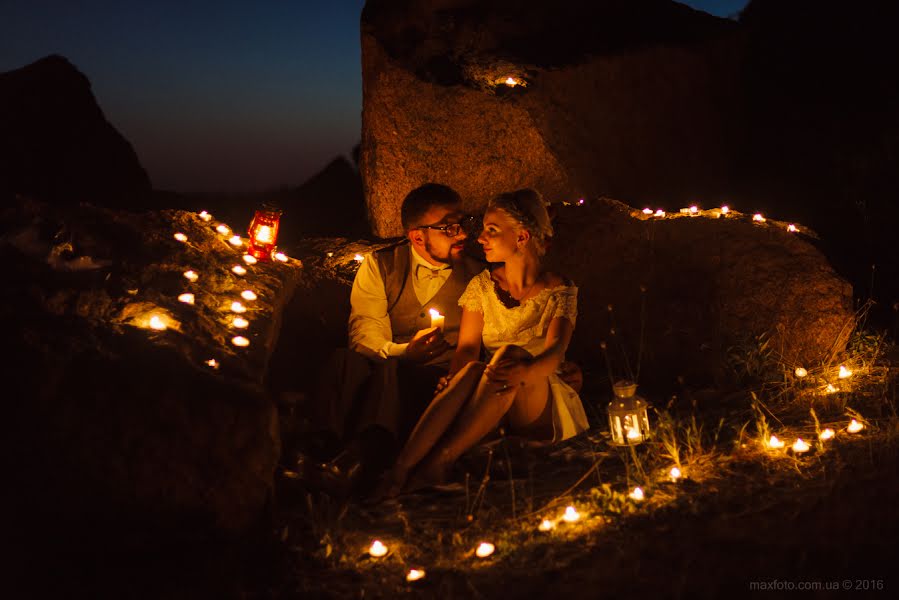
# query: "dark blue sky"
{"type": "Point", "coordinates": [215, 96]}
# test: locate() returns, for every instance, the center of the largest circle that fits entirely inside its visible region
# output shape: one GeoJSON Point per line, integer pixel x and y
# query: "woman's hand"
{"type": "Point", "coordinates": [509, 372]}
{"type": "Point", "coordinates": [442, 383]}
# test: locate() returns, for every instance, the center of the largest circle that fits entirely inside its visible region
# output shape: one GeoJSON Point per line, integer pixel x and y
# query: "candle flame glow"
{"type": "Point", "coordinates": [235, 241]}
{"type": "Point", "coordinates": [248, 295]}
{"type": "Point", "coordinates": [213, 363]}
{"type": "Point", "coordinates": [205, 215]}
{"type": "Point", "coordinates": [660, 213]}
{"type": "Point", "coordinates": [800, 446]}
{"type": "Point", "coordinates": [377, 549]}
{"type": "Point", "coordinates": [694, 209]}
{"type": "Point", "coordinates": [415, 574]}
{"type": "Point", "coordinates": [330, 254]}
{"type": "Point", "coordinates": [511, 81]}
{"type": "Point", "coordinates": [571, 515]}
{"type": "Point", "coordinates": [826, 434]}
{"type": "Point", "coordinates": [758, 217]}
{"type": "Point", "coordinates": [238, 270]}
{"type": "Point", "coordinates": [280, 256]}
{"type": "Point", "coordinates": [249, 259]}
{"type": "Point", "coordinates": [223, 229]}
{"type": "Point", "coordinates": [191, 275]}
{"type": "Point", "coordinates": [800, 372]}
{"type": "Point", "coordinates": [675, 474]}
{"type": "Point", "coordinates": [485, 549]}
{"type": "Point", "coordinates": [775, 443]}
{"type": "Point", "coordinates": [264, 234]}
{"type": "Point", "coordinates": [186, 298]}
{"type": "Point", "coordinates": [647, 211]}
{"type": "Point", "coordinates": [830, 389]}
{"type": "Point", "coordinates": [632, 433]}
{"type": "Point", "coordinates": [239, 340]}
{"type": "Point", "coordinates": [434, 312]}
{"type": "Point", "coordinates": [637, 494]}
{"type": "Point", "coordinates": [238, 307]}
{"type": "Point", "coordinates": [844, 372]}
{"type": "Point", "coordinates": [157, 323]}
{"type": "Point", "coordinates": [180, 237]}
{"type": "Point", "coordinates": [854, 427]}
{"type": "Point", "coordinates": [792, 228]}
{"type": "Point", "coordinates": [545, 525]}
{"type": "Point", "coordinates": [240, 322]}
{"type": "Point", "coordinates": [725, 209]}
{"type": "Point", "coordinates": [358, 258]}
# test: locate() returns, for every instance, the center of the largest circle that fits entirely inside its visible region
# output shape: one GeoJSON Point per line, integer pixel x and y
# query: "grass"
{"type": "Point", "coordinates": [730, 475]}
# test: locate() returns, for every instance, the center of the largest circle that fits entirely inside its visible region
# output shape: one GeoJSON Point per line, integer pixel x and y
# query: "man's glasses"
{"type": "Point", "coordinates": [452, 229]}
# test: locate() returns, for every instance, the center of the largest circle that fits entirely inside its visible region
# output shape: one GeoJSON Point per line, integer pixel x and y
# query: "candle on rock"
{"type": "Point", "coordinates": [415, 574]}
{"type": "Point", "coordinates": [186, 298]}
{"type": "Point", "coordinates": [180, 237]}
{"type": "Point", "coordinates": [205, 216]}
{"type": "Point", "coordinates": [485, 549]}
{"type": "Point", "coordinates": [239, 340]}
{"type": "Point", "coordinates": [191, 276]}
{"type": "Point", "coordinates": [854, 427]}
{"type": "Point", "coordinates": [637, 494]}
{"type": "Point", "coordinates": [571, 515]}
{"type": "Point", "coordinates": [238, 270]}
{"type": "Point", "coordinates": [377, 549]}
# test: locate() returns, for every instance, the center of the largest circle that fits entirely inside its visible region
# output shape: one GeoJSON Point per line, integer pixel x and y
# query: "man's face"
{"type": "Point", "coordinates": [433, 244]}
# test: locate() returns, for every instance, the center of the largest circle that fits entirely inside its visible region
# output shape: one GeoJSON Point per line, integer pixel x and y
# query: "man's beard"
{"type": "Point", "coordinates": [447, 259]}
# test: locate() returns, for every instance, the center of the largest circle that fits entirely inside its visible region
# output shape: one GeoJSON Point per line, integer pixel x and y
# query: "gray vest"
{"type": "Point", "coordinates": [407, 314]}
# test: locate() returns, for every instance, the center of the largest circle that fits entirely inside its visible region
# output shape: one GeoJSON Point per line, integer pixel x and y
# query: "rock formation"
{"type": "Point", "coordinates": [58, 145]}
{"type": "Point", "coordinates": [111, 424]}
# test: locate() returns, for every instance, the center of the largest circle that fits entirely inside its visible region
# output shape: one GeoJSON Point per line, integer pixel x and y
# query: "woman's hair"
{"type": "Point", "coordinates": [528, 209]}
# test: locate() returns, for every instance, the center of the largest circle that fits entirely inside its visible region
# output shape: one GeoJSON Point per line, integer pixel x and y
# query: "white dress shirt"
{"type": "Point", "coordinates": [369, 325]}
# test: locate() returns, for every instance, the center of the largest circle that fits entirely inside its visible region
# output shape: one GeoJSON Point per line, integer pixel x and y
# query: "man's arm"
{"type": "Point", "coordinates": [369, 324]}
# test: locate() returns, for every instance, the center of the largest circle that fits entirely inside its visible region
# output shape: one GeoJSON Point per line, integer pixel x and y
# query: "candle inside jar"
{"type": "Point", "coordinates": [437, 320]}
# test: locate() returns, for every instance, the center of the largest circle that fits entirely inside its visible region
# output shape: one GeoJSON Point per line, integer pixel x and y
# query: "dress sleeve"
{"type": "Point", "coordinates": [566, 304]}
{"type": "Point", "coordinates": [473, 297]}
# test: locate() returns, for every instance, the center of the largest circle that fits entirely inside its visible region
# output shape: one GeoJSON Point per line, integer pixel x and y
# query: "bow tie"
{"type": "Point", "coordinates": [423, 272]}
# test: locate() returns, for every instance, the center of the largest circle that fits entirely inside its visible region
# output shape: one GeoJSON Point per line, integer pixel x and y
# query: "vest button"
{"type": "Point", "coordinates": [421, 315]}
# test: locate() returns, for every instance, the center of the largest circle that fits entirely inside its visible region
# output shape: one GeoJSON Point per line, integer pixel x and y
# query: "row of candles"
{"type": "Point", "coordinates": [263, 233]}
{"type": "Point", "coordinates": [724, 211]}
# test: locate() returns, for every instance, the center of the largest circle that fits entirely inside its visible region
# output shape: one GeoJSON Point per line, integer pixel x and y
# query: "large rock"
{"type": "Point", "coordinates": [703, 293]}
{"type": "Point", "coordinates": [58, 145]}
{"type": "Point", "coordinates": [111, 424]}
{"type": "Point", "coordinates": [610, 91]}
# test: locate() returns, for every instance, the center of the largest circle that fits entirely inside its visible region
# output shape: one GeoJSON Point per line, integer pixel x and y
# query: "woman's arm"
{"type": "Point", "coordinates": [516, 371]}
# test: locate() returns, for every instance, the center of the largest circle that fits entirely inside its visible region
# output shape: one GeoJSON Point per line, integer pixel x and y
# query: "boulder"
{"type": "Point", "coordinates": [116, 427]}
{"type": "Point", "coordinates": [58, 145]}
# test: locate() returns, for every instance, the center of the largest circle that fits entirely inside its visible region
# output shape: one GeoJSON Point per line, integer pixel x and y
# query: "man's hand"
{"type": "Point", "coordinates": [427, 344]}
{"type": "Point", "coordinates": [571, 374]}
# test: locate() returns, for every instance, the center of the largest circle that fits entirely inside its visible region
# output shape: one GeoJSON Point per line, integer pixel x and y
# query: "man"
{"type": "Point", "coordinates": [373, 393]}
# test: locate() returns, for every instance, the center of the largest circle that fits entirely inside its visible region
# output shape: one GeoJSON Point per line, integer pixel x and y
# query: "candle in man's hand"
{"type": "Point", "coordinates": [437, 319]}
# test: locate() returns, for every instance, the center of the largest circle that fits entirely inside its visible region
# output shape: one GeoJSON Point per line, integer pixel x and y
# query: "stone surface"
{"type": "Point", "coordinates": [715, 289]}
{"type": "Point", "coordinates": [115, 426]}
{"type": "Point", "coordinates": [58, 145]}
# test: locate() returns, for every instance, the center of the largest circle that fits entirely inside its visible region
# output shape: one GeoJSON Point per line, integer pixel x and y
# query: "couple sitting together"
{"type": "Point", "coordinates": [407, 399]}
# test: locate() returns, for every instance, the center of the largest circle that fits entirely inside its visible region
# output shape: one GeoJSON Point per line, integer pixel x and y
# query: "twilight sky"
{"type": "Point", "coordinates": [215, 96]}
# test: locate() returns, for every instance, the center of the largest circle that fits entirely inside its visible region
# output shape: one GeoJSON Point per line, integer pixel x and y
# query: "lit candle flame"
{"type": "Point", "coordinates": [647, 211]}
{"type": "Point", "coordinates": [180, 237]}
{"type": "Point", "coordinates": [854, 427]}
{"type": "Point", "coordinates": [792, 228]}
{"type": "Point", "coordinates": [264, 234]}
{"type": "Point", "coordinates": [280, 256]}
{"type": "Point", "coordinates": [191, 275]}
{"type": "Point", "coordinates": [239, 340]}
{"type": "Point", "coordinates": [511, 81]}
{"type": "Point", "coordinates": [800, 372]}
{"type": "Point", "coordinates": [238, 270]}
{"type": "Point", "coordinates": [235, 241]}
{"type": "Point", "coordinates": [675, 474]}
{"type": "Point", "coordinates": [205, 216]}
{"type": "Point", "coordinates": [377, 549]}
{"type": "Point", "coordinates": [694, 209]}
{"type": "Point", "coordinates": [830, 389]}
{"type": "Point", "coordinates": [249, 259]}
{"type": "Point", "coordinates": [186, 298]}
{"type": "Point", "coordinates": [800, 446]}
{"type": "Point", "coordinates": [580, 202]}
{"type": "Point", "coordinates": [632, 433]}
{"type": "Point", "coordinates": [485, 549]}
{"type": "Point", "coordinates": [844, 372]}
{"type": "Point", "coordinates": [545, 525]}
{"type": "Point", "coordinates": [758, 217]}
{"type": "Point", "coordinates": [725, 209]}
{"type": "Point", "coordinates": [775, 443]}
{"type": "Point", "coordinates": [358, 258]}
{"type": "Point", "coordinates": [415, 574]}
{"type": "Point", "coordinates": [571, 515]}
{"type": "Point", "coordinates": [223, 229]}
{"type": "Point", "coordinates": [238, 307]}
{"type": "Point", "coordinates": [213, 363]}
{"type": "Point", "coordinates": [248, 295]}
{"type": "Point", "coordinates": [240, 322]}
{"type": "Point", "coordinates": [157, 323]}
{"type": "Point", "coordinates": [637, 494]}
{"type": "Point", "coordinates": [826, 434]}
{"type": "Point", "coordinates": [330, 254]}
{"type": "Point", "coordinates": [660, 213]}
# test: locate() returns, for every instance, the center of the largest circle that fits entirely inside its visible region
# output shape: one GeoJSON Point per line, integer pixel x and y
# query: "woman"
{"type": "Point", "coordinates": [524, 316]}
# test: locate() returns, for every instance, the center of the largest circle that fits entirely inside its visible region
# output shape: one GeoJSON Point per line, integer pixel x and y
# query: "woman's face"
{"type": "Point", "coordinates": [500, 236]}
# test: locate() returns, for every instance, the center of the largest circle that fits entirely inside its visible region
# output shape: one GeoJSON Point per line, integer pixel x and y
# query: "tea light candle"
{"type": "Point", "coordinates": [725, 209]}
{"type": "Point", "coordinates": [358, 258]}
{"type": "Point", "coordinates": [223, 229]}
{"type": "Point", "coordinates": [637, 494]}
{"type": "Point", "coordinates": [280, 256]}
{"type": "Point", "coordinates": [191, 276]}
{"type": "Point", "coordinates": [240, 322]}
{"type": "Point", "coordinates": [775, 443]}
{"type": "Point", "coordinates": [485, 549]}
{"type": "Point", "coordinates": [854, 427]}
{"type": "Point", "coordinates": [675, 474]}
{"type": "Point", "coordinates": [844, 372]}
{"type": "Point", "coordinates": [238, 307]}
{"type": "Point", "coordinates": [545, 525]}
{"type": "Point", "coordinates": [801, 372]}
{"type": "Point", "coordinates": [800, 446]}
{"type": "Point", "coordinates": [180, 237]}
{"type": "Point", "coordinates": [186, 298]}
{"type": "Point", "coordinates": [212, 363]}
{"type": "Point", "coordinates": [826, 434]}
{"type": "Point", "coordinates": [758, 218]}
{"type": "Point", "coordinates": [415, 574]}
{"type": "Point", "coordinates": [792, 228]}
{"type": "Point", "coordinates": [647, 211]}
{"type": "Point", "coordinates": [205, 216]}
{"type": "Point", "coordinates": [239, 340]}
{"type": "Point", "coordinates": [571, 515]}
{"type": "Point", "coordinates": [694, 210]}
{"type": "Point", "coordinates": [157, 323]}
{"type": "Point", "coordinates": [437, 320]}
{"type": "Point", "coordinates": [660, 213]}
{"type": "Point", "coordinates": [238, 270]}
{"type": "Point", "coordinates": [249, 259]}
{"type": "Point", "coordinates": [235, 241]}
{"type": "Point", "coordinates": [377, 549]}
{"type": "Point", "coordinates": [248, 295]}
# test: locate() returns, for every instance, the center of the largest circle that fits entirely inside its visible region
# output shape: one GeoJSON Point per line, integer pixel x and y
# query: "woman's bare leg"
{"type": "Point", "coordinates": [437, 418]}
{"type": "Point", "coordinates": [483, 412]}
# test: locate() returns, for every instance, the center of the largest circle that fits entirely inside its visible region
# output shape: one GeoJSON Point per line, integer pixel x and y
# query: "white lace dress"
{"type": "Point", "coordinates": [526, 326]}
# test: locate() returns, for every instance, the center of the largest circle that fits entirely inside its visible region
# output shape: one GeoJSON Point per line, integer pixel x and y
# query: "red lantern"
{"type": "Point", "coordinates": [263, 232]}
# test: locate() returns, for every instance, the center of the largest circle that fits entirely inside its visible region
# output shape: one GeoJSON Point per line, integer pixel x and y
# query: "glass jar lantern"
{"type": "Point", "coordinates": [263, 232]}
{"type": "Point", "coordinates": [628, 419]}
